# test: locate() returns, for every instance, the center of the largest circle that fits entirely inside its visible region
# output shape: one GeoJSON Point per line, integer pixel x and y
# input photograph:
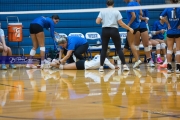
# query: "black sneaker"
{"type": "Point", "coordinates": [178, 68]}
{"type": "Point", "coordinates": [169, 68]}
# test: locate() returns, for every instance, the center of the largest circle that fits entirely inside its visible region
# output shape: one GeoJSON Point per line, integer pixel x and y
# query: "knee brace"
{"type": "Point", "coordinates": [158, 46]}
{"type": "Point", "coordinates": [136, 47]}
{"type": "Point", "coordinates": [150, 47]}
{"type": "Point", "coordinates": [174, 46]}
{"type": "Point", "coordinates": [169, 52]}
{"type": "Point", "coordinates": [146, 49]}
{"type": "Point", "coordinates": [32, 52]}
{"type": "Point", "coordinates": [42, 48]}
{"type": "Point", "coordinates": [178, 52]}
{"type": "Point", "coordinates": [163, 45]}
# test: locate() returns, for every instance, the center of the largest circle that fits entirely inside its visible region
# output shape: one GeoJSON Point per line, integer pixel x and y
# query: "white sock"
{"type": "Point", "coordinates": [158, 55]}
{"type": "Point", "coordinates": [165, 62]}
{"type": "Point", "coordinates": [164, 57]}
{"type": "Point", "coordinates": [61, 67]}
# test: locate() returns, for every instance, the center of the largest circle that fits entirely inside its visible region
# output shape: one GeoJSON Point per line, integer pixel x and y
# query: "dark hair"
{"type": "Point", "coordinates": [110, 2]}
{"type": "Point", "coordinates": [175, 1]}
{"type": "Point", "coordinates": [55, 17]}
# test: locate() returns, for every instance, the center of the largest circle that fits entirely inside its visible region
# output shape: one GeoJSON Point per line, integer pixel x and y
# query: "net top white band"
{"type": "Point", "coordinates": [93, 10]}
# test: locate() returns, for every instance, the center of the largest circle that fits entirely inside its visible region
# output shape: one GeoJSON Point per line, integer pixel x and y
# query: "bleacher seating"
{"type": "Point", "coordinates": [69, 22]}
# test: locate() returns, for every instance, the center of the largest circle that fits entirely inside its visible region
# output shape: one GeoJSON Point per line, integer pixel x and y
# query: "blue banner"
{"type": "Point", "coordinates": [19, 60]}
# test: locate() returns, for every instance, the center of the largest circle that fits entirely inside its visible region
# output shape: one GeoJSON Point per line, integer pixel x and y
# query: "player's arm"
{"type": "Point", "coordinates": [60, 53]}
{"type": "Point", "coordinates": [99, 18]}
{"type": "Point", "coordinates": [132, 18]}
{"type": "Point", "coordinates": [146, 18]}
{"type": "Point", "coordinates": [69, 53]}
{"type": "Point", "coordinates": [163, 17]}
{"type": "Point", "coordinates": [154, 29]}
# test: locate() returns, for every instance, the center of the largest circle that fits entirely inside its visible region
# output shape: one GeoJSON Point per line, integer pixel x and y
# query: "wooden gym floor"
{"type": "Point", "coordinates": [144, 94]}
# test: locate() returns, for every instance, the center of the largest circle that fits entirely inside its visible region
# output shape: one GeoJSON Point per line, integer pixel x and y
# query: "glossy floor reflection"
{"type": "Point", "coordinates": [145, 94]}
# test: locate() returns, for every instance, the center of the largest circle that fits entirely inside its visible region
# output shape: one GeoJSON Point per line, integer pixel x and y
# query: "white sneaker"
{"type": "Point", "coordinates": [177, 72]}
{"type": "Point", "coordinates": [137, 64]}
{"type": "Point", "coordinates": [31, 66]}
{"type": "Point", "coordinates": [47, 66]}
{"type": "Point", "coordinates": [46, 61]}
{"type": "Point", "coordinates": [125, 68]}
{"type": "Point", "coordinates": [170, 71]}
{"type": "Point", "coordinates": [101, 69]}
{"type": "Point", "coordinates": [151, 64]}
{"type": "Point", "coordinates": [42, 66]}
{"type": "Point", "coordinates": [115, 57]}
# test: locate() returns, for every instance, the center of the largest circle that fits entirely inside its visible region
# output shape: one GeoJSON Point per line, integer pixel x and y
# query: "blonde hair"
{"type": "Point", "coordinates": [62, 40]}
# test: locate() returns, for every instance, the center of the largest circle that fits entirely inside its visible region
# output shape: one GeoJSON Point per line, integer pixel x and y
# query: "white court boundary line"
{"type": "Point", "coordinates": [93, 9]}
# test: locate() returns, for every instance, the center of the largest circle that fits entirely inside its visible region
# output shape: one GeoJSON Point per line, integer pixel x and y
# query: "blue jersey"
{"type": "Point", "coordinates": [173, 20]}
{"type": "Point", "coordinates": [135, 24]}
{"type": "Point", "coordinates": [143, 23]}
{"type": "Point", "coordinates": [157, 27]}
{"type": "Point", "coordinates": [45, 22]}
{"type": "Point", "coordinates": [74, 42]}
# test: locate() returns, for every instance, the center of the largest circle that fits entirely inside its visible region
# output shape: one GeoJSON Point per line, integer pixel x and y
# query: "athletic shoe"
{"type": "Point", "coordinates": [115, 57]}
{"type": "Point", "coordinates": [31, 66]}
{"type": "Point", "coordinates": [101, 69]}
{"type": "Point", "coordinates": [159, 61]}
{"type": "Point", "coordinates": [3, 67]}
{"type": "Point", "coordinates": [163, 66]}
{"type": "Point", "coordinates": [169, 68]}
{"type": "Point", "coordinates": [125, 68]}
{"type": "Point", "coordinates": [12, 66]}
{"type": "Point", "coordinates": [42, 66]}
{"type": "Point", "coordinates": [47, 66]}
{"type": "Point", "coordinates": [137, 64]}
{"type": "Point", "coordinates": [178, 68]}
{"type": "Point", "coordinates": [151, 64]}
{"type": "Point", "coordinates": [177, 71]}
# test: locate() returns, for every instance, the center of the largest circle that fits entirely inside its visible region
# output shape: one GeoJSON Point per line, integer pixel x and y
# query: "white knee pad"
{"type": "Point", "coordinates": [32, 52]}
{"type": "Point", "coordinates": [174, 46]}
{"type": "Point", "coordinates": [178, 52]}
{"type": "Point", "coordinates": [150, 47]}
{"type": "Point", "coordinates": [169, 52]}
{"type": "Point", "coordinates": [146, 49]}
{"type": "Point", "coordinates": [158, 46]}
{"type": "Point", "coordinates": [136, 47]}
{"type": "Point", "coordinates": [42, 48]}
{"type": "Point", "coordinates": [163, 45]}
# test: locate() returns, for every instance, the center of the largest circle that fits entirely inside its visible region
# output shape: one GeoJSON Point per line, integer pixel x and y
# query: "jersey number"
{"type": "Point", "coordinates": [173, 15]}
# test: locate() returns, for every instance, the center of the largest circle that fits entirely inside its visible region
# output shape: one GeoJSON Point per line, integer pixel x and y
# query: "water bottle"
{"type": "Point", "coordinates": [165, 35]}
{"type": "Point", "coordinates": [147, 27]}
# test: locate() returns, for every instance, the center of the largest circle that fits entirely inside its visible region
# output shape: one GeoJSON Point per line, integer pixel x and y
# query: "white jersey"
{"type": "Point", "coordinates": [95, 63]}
